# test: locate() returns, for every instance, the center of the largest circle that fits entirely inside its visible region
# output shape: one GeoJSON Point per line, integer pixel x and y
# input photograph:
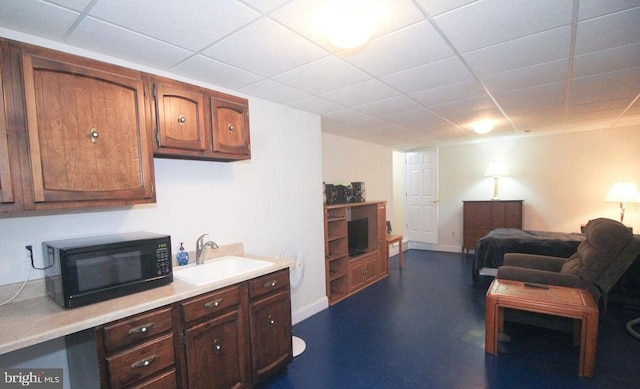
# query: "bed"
{"type": "Point", "coordinates": [492, 247]}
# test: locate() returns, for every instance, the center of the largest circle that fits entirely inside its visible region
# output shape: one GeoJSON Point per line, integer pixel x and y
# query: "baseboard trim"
{"type": "Point", "coordinates": [309, 310]}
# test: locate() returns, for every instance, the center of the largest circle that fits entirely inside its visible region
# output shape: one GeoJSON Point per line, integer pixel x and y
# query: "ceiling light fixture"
{"type": "Point", "coordinates": [483, 127]}
{"type": "Point", "coordinates": [349, 24]}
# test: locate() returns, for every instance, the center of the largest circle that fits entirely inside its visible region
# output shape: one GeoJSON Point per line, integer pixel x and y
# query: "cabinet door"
{"type": "Point", "coordinates": [270, 322]}
{"type": "Point", "coordinates": [7, 163]}
{"type": "Point", "coordinates": [216, 353]}
{"type": "Point", "coordinates": [230, 117]}
{"type": "Point", "coordinates": [180, 123]}
{"type": "Point", "coordinates": [86, 129]}
{"type": "Point", "coordinates": [383, 258]}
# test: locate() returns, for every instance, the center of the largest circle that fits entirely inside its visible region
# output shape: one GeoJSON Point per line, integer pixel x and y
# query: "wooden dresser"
{"type": "Point", "coordinates": [480, 217]}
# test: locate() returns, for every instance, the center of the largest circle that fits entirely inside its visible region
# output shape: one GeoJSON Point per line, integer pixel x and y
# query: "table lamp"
{"type": "Point", "coordinates": [623, 192]}
{"type": "Point", "coordinates": [496, 169]}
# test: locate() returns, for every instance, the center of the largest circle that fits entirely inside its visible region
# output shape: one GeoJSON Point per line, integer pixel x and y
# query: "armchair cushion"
{"type": "Point", "coordinates": [606, 239]}
{"type": "Point", "coordinates": [534, 261]}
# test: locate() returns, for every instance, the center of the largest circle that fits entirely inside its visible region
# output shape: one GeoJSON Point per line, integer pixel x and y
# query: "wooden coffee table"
{"type": "Point", "coordinates": [556, 300]}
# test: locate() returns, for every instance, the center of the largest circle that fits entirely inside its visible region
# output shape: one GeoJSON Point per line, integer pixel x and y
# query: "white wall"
{"type": "Point", "coordinates": [264, 202]}
{"type": "Point", "coordinates": [563, 179]}
{"type": "Point", "coordinates": [346, 160]}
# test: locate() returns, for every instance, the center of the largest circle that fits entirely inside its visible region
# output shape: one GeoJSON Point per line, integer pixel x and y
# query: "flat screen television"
{"type": "Point", "coordinates": [358, 231]}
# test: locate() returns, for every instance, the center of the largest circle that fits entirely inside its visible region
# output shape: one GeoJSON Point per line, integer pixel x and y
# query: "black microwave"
{"type": "Point", "coordinates": [84, 271]}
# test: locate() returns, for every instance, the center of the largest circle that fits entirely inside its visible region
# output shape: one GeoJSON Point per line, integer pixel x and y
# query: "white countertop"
{"type": "Point", "coordinates": [28, 322]}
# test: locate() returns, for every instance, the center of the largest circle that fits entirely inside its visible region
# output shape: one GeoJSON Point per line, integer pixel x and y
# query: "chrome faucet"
{"type": "Point", "coordinates": [201, 245]}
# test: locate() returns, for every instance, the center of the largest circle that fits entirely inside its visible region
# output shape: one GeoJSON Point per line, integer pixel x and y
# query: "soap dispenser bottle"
{"type": "Point", "coordinates": [182, 256]}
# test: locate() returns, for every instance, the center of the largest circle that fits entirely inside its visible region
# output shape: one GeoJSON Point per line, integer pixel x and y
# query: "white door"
{"type": "Point", "coordinates": [422, 196]}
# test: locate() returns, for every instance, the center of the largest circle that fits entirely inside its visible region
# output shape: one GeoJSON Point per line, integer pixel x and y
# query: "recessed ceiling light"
{"type": "Point", "coordinates": [483, 127]}
{"type": "Point", "coordinates": [349, 24]}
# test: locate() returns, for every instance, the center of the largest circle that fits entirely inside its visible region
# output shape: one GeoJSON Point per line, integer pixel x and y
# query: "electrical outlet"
{"type": "Point", "coordinates": [26, 257]}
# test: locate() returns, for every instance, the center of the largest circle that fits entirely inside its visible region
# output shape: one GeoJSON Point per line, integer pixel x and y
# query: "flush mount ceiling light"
{"type": "Point", "coordinates": [483, 127]}
{"type": "Point", "coordinates": [349, 24]}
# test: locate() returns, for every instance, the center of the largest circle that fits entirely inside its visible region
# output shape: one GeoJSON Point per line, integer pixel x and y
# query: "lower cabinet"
{"type": "Point", "coordinates": [215, 354]}
{"type": "Point", "coordinates": [270, 323]}
{"type": "Point", "coordinates": [364, 270]}
{"type": "Point", "coordinates": [234, 337]}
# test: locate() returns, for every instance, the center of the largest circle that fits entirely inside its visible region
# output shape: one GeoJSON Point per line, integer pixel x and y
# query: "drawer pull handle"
{"type": "Point", "coordinates": [143, 329]}
{"type": "Point", "coordinates": [217, 348]}
{"type": "Point", "coordinates": [144, 362]}
{"type": "Point", "coordinates": [213, 304]}
{"type": "Point", "coordinates": [271, 320]}
{"type": "Point", "coordinates": [271, 284]}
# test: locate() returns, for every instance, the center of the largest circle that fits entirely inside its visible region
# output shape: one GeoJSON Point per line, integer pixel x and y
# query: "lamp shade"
{"type": "Point", "coordinates": [496, 169]}
{"type": "Point", "coordinates": [623, 192]}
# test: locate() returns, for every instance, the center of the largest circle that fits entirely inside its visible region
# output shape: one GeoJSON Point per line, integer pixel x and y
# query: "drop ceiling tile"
{"type": "Point", "coordinates": [322, 75]}
{"type": "Point", "coordinates": [265, 5]}
{"type": "Point", "coordinates": [98, 36]}
{"type": "Point", "coordinates": [530, 50]}
{"type": "Point", "coordinates": [404, 49]}
{"type": "Point", "coordinates": [621, 30]}
{"type": "Point", "coordinates": [437, 7]}
{"type": "Point", "coordinates": [76, 5]}
{"type": "Point", "coordinates": [274, 91]}
{"type": "Point", "coordinates": [504, 20]}
{"type": "Point", "coordinates": [472, 106]}
{"type": "Point", "coordinates": [37, 18]}
{"type": "Point", "coordinates": [593, 8]}
{"type": "Point", "coordinates": [186, 25]}
{"type": "Point", "coordinates": [266, 48]}
{"type": "Point", "coordinates": [535, 98]}
{"type": "Point", "coordinates": [213, 72]}
{"type": "Point", "coordinates": [343, 117]}
{"type": "Point", "coordinates": [421, 118]}
{"type": "Point", "coordinates": [450, 92]}
{"type": "Point", "coordinates": [393, 105]}
{"type": "Point", "coordinates": [316, 105]}
{"type": "Point", "coordinates": [606, 61]}
{"type": "Point", "coordinates": [362, 93]}
{"type": "Point", "coordinates": [530, 76]}
{"type": "Point", "coordinates": [432, 75]}
{"type": "Point", "coordinates": [622, 79]}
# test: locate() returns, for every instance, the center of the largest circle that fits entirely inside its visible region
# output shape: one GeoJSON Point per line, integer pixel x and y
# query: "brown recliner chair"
{"type": "Point", "coordinates": [602, 258]}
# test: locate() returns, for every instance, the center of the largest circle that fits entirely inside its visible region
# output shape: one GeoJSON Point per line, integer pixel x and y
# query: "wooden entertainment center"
{"type": "Point", "coordinates": [346, 275]}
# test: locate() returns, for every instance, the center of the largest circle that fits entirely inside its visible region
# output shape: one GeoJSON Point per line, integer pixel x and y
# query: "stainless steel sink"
{"type": "Point", "coordinates": [218, 269]}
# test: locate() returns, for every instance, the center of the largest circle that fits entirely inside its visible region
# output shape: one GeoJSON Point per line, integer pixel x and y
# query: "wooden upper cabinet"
{"type": "Point", "coordinates": [197, 123]}
{"type": "Point", "coordinates": [231, 126]}
{"type": "Point", "coordinates": [8, 160]}
{"type": "Point", "coordinates": [179, 116]}
{"type": "Point", "coordinates": [87, 132]}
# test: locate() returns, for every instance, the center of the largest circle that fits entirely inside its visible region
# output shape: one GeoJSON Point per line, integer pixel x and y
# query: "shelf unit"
{"type": "Point", "coordinates": [345, 274]}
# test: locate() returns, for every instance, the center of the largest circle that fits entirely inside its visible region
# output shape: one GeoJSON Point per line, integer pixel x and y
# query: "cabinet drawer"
{"type": "Point", "coordinates": [137, 328]}
{"type": "Point", "coordinates": [164, 381]}
{"type": "Point", "coordinates": [209, 303]}
{"type": "Point", "coordinates": [268, 283]}
{"type": "Point", "coordinates": [141, 361]}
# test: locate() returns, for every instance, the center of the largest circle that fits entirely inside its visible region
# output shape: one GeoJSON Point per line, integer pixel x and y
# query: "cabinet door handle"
{"type": "Point", "coordinates": [142, 329]}
{"type": "Point", "coordinates": [144, 362]}
{"type": "Point", "coordinates": [217, 347]}
{"type": "Point", "coordinates": [271, 321]}
{"type": "Point", "coordinates": [214, 303]}
{"type": "Point", "coordinates": [93, 135]}
{"type": "Point", "coordinates": [271, 284]}
{"type": "Point", "coordinates": [181, 119]}
{"type": "Point", "coordinates": [230, 127]}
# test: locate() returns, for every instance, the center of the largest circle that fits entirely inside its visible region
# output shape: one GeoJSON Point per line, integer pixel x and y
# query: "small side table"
{"type": "Point", "coordinates": [558, 301]}
{"type": "Point", "coordinates": [391, 239]}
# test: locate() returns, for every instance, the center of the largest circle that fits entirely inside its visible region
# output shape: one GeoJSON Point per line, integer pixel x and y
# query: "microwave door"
{"type": "Point", "coordinates": [101, 272]}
